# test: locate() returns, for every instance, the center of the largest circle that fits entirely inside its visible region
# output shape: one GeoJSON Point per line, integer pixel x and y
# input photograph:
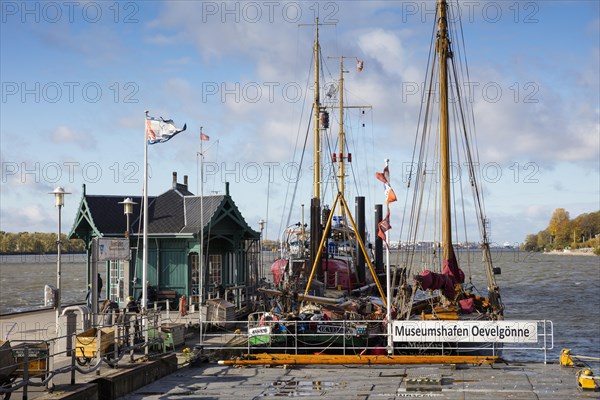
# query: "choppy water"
{"type": "Point", "coordinates": [561, 288]}
{"type": "Point", "coordinates": [22, 280]}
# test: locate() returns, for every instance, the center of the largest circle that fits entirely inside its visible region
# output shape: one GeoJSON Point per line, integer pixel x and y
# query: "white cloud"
{"type": "Point", "coordinates": [29, 217]}
{"type": "Point", "coordinates": [179, 61]}
{"type": "Point", "coordinates": [161, 58]}
{"type": "Point", "coordinates": [385, 48]}
{"type": "Point", "coordinates": [65, 135]}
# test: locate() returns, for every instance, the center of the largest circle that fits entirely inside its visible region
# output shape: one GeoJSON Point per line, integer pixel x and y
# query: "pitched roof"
{"type": "Point", "coordinates": [174, 212]}
{"type": "Point", "coordinates": [165, 213]}
{"type": "Point", "coordinates": [103, 215]}
{"type": "Point", "coordinates": [193, 205]}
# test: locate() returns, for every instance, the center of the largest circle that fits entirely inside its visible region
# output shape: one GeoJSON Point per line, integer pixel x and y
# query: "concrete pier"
{"type": "Point", "coordinates": [516, 381]}
{"type": "Point", "coordinates": [162, 379]}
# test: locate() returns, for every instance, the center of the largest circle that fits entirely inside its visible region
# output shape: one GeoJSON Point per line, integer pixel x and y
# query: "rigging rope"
{"type": "Point", "coordinates": [297, 180]}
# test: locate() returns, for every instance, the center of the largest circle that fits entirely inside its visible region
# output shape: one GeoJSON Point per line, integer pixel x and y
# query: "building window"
{"type": "Point", "coordinates": [117, 279]}
{"type": "Point", "coordinates": [215, 267]}
{"type": "Point", "coordinates": [193, 263]}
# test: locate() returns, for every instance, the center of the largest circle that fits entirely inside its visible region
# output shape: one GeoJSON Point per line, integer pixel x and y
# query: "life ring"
{"type": "Point", "coordinates": [182, 306]}
{"type": "Point", "coordinates": [269, 318]}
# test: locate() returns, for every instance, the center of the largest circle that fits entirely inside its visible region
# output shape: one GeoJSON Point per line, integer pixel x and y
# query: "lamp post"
{"type": "Point", "coordinates": [261, 225]}
{"type": "Point", "coordinates": [59, 201]}
{"type": "Point", "coordinates": [128, 204]}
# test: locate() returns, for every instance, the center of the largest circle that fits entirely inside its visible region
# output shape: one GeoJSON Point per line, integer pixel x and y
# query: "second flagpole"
{"type": "Point", "coordinates": [201, 267]}
{"type": "Point", "coordinates": [145, 235]}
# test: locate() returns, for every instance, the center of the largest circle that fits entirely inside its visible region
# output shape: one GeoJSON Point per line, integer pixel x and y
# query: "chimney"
{"type": "Point", "coordinates": [185, 181]}
{"type": "Point", "coordinates": [226, 188]}
{"type": "Point", "coordinates": [174, 180]}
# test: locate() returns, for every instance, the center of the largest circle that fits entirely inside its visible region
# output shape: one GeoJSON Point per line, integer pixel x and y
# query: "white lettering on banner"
{"type": "Point", "coordinates": [262, 330]}
{"type": "Point", "coordinates": [465, 331]}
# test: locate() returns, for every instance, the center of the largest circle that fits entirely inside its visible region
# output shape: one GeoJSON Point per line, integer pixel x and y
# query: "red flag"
{"type": "Point", "coordinates": [390, 195]}
{"type": "Point", "coordinates": [359, 65]}
{"type": "Point", "coordinates": [204, 137]}
{"type": "Point", "coordinates": [384, 226]}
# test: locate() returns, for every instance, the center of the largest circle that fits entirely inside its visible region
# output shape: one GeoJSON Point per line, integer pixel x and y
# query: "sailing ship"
{"type": "Point", "coordinates": [332, 247]}
{"type": "Point", "coordinates": [439, 282]}
{"type": "Point", "coordinates": [321, 275]}
{"type": "Point", "coordinates": [435, 280]}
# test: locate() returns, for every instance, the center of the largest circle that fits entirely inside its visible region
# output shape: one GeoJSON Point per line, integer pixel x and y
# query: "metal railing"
{"type": "Point", "coordinates": [25, 363]}
{"type": "Point", "coordinates": [346, 337]}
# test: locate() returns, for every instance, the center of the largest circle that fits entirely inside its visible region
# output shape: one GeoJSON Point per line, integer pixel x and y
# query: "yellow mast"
{"type": "Point", "coordinates": [341, 169]}
{"type": "Point", "coordinates": [443, 45]}
{"type": "Point", "coordinates": [316, 111]}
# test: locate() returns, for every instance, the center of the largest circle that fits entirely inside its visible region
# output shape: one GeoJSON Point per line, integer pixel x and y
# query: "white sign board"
{"type": "Point", "coordinates": [113, 249]}
{"type": "Point", "coordinates": [465, 331]}
{"type": "Point", "coordinates": [258, 331]}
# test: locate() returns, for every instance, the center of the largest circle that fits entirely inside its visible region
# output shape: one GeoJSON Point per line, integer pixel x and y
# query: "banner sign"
{"type": "Point", "coordinates": [113, 249]}
{"type": "Point", "coordinates": [465, 331]}
{"type": "Point", "coordinates": [258, 331]}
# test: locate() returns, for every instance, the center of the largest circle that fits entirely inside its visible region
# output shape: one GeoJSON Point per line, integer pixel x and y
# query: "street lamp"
{"type": "Point", "coordinates": [128, 204]}
{"type": "Point", "coordinates": [261, 225]}
{"type": "Point", "coordinates": [59, 201]}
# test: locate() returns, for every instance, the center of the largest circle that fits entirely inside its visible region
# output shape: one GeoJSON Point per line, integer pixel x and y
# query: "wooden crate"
{"type": "Point", "coordinates": [220, 312]}
{"type": "Point", "coordinates": [87, 342]}
{"type": "Point", "coordinates": [177, 332]}
{"type": "Point", "coordinates": [37, 358]}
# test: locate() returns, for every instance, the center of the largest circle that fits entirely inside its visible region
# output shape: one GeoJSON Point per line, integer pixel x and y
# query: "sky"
{"type": "Point", "coordinates": [78, 76]}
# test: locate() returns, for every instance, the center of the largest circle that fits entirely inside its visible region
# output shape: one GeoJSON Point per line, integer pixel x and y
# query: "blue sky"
{"type": "Point", "coordinates": [77, 77]}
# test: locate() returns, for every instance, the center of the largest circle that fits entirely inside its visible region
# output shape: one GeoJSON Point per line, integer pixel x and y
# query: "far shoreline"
{"type": "Point", "coordinates": [575, 252]}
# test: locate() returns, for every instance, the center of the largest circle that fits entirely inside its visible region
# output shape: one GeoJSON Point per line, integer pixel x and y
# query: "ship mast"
{"type": "Point", "coordinates": [315, 203]}
{"type": "Point", "coordinates": [316, 111]}
{"type": "Point", "coordinates": [341, 169]}
{"type": "Point", "coordinates": [443, 49]}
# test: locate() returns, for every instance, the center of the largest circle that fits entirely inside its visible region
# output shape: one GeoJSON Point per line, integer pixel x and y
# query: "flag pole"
{"type": "Point", "coordinates": [145, 235]}
{"type": "Point", "coordinates": [201, 267]}
{"type": "Point", "coordinates": [390, 344]}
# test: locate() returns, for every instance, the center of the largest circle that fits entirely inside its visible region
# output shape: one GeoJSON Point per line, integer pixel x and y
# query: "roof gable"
{"type": "Point", "coordinates": [200, 210]}
{"type": "Point", "coordinates": [174, 212]}
{"type": "Point", "coordinates": [102, 216]}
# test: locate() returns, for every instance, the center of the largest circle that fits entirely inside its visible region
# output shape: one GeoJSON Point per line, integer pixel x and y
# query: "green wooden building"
{"type": "Point", "coordinates": [231, 247]}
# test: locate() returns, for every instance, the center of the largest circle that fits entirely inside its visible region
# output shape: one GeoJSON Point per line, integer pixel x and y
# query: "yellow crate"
{"type": "Point", "coordinates": [37, 358]}
{"type": "Point", "coordinates": [87, 342]}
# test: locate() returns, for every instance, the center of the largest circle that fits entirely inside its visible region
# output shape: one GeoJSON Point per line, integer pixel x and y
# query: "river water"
{"type": "Point", "coordinates": [23, 277]}
{"type": "Point", "coordinates": [562, 288]}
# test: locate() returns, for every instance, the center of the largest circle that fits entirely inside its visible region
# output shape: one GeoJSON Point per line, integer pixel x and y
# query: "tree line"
{"type": "Point", "coordinates": [566, 233]}
{"type": "Point", "coordinates": [37, 243]}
